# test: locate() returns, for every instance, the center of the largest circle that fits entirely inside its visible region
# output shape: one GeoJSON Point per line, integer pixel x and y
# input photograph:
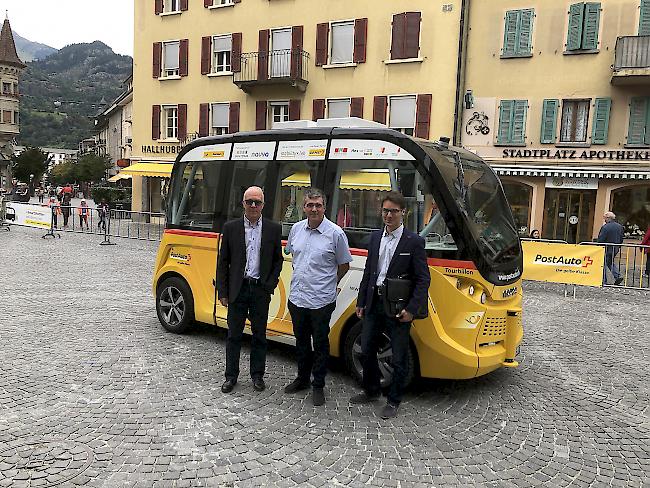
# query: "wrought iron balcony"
{"type": "Point", "coordinates": [632, 61]}
{"type": "Point", "coordinates": [284, 67]}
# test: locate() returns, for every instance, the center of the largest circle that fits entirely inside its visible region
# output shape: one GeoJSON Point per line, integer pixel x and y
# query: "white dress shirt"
{"type": "Point", "coordinates": [253, 239]}
{"type": "Point", "coordinates": [387, 247]}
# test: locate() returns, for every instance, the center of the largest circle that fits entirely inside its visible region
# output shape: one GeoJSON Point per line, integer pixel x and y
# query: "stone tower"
{"type": "Point", "coordinates": [11, 67]}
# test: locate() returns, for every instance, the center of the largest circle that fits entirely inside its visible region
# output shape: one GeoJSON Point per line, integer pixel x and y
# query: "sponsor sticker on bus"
{"type": "Point", "coordinates": [209, 152]}
{"type": "Point", "coordinates": [253, 151]}
{"type": "Point", "coordinates": [367, 149]}
{"type": "Point", "coordinates": [302, 150]}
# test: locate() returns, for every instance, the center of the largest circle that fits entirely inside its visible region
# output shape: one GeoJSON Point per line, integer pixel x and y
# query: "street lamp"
{"type": "Point", "coordinates": [31, 185]}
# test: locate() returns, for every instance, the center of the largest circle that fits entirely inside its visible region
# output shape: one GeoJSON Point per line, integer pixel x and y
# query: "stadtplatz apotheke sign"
{"type": "Point", "coordinates": [577, 154]}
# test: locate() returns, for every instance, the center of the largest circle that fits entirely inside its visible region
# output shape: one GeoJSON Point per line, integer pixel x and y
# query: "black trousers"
{"type": "Point", "coordinates": [252, 302]}
{"type": "Point", "coordinates": [311, 324]}
{"type": "Point", "coordinates": [375, 322]}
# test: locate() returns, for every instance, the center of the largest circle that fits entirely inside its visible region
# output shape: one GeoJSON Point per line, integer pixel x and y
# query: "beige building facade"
{"type": "Point", "coordinates": [204, 67]}
{"type": "Point", "coordinates": [557, 100]}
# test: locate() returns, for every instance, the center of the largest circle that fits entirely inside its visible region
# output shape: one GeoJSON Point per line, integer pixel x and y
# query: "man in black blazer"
{"type": "Point", "coordinates": [394, 252]}
{"type": "Point", "coordinates": [246, 278]}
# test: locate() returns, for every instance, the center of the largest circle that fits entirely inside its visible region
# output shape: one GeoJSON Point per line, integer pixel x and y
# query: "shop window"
{"type": "Point", "coordinates": [632, 208]}
{"type": "Point", "coordinates": [517, 37]}
{"type": "Point", "coordinates": [519, 197]}
{"type": "Point", "coordinates": [584, 22]}
{"type": "Point", "coordinates": [575, 118]}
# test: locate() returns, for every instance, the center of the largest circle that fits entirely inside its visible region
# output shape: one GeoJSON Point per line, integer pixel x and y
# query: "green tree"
{"type": "Point", "coordinates": [62, 173]}
{"type": "Point", "coordinates": [91, 167]}
{"type": "Point", "coordinates": [30, 165]}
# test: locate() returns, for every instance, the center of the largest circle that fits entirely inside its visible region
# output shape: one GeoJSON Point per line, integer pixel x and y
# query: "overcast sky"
{"type": "Point", "coordinates": [62, 22]}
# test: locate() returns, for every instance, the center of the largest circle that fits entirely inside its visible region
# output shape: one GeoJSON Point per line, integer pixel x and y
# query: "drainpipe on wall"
{"type": "Point", "coordinates": [460, 71]}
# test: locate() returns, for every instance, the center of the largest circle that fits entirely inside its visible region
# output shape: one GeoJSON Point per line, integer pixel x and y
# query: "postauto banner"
{"type": "Point", "coordinates": [29, 215]}
{"type": "Point", "coordinates": [563, 263]}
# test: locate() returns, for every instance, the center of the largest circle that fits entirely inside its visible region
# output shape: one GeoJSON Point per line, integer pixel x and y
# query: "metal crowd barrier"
{"type": "Point", "coordinates": [630, 261]}
{"type": "Point", "coordinates": [148, 226]}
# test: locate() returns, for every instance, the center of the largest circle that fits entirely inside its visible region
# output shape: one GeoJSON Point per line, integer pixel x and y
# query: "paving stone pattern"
{"type": "Point", "coordinates": [93, 392]}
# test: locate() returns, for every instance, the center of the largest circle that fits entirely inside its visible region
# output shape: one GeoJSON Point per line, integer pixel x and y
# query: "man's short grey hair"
{"type": "Point", "coordinates": [312, 193]}
{"type": "Point", "coordinates": [609, 216]}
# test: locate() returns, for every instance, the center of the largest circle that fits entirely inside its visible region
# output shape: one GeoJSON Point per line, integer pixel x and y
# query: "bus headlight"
{"type": "Point", "coordinates": [470, 290]}
{"type": "Point", "coordinates": [483, 297]}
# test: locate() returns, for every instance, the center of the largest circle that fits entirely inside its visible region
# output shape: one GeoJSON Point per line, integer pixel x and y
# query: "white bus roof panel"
{"type": "Point", "coordinates": [313, 150]}
{"type": "Point", "coordinates": [367, 149]}
{"type": "Point", "coordinates": [209, 152]}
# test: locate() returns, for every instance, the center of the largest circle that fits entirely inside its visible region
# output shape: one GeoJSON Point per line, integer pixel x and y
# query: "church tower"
{"type": "Point", "coordinates": [11, 67]}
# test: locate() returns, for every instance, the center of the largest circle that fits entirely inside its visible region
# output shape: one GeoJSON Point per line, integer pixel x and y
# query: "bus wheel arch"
{"type": "Point", "coordinates": [174, 303]}
{"type": "Point", "coordinates": [351, 352]}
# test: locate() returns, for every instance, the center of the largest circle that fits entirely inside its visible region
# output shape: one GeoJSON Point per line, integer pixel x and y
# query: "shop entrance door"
{"type": "Point", "coordinates": [569, 215]}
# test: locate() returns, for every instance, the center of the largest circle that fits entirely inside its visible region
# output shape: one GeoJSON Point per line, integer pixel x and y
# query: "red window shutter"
{"type": "Point", "coordinates": [155, 122]}
{"type": "Point", "coordinates": [207, 3]}
{"type": "Point", "coordinates": [412, 37]}
{"type": "Point", "coordinates": [184, 5]}
{"type": "Point", "coordinates": [296, 52]}
{"type": "Point", "coordinates": [157, 57]}
{"type": "Point", "coordinates": [399, 31]}
{"type": "Point", "coordinates": [233, 118]}
{"type": "Point", "coordinates": [182, 121]}
{"type": "Point", "coordinates": [158, 7]}
{"type": "Point", "coordinates": [294, 109]}
{"type": "Point", "coordinates": [206, 55]}
{"type": "Point", "coordinates": [263, 55]}
{"type": "Point", "coordinates": [260, 115]}
{"type": "Point", "coordinates": [356, 107]}
{"type": "Point", "coordinates": [360, 40]}
{"type": "Point", "coordinates": [182, 57]}
{"type": "Point", "coordinates": [235, 53]}
{"type": "Point", "coordinates": [322, 38]}
{"type": "Point", "coordinates": [423, 115]}
{"type": "Point", "coordinates": [318, 109]}
{"type": "Point", "coordinates": [379, 109]}
{"type": "Point", "coordinates": [204, 119]}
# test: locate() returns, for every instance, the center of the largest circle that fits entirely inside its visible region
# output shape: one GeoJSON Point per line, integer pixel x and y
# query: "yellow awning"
{"type": "Point", "coordinates": [119, 176]}
{"type": "Point", "coordinates": [350, 180]}
{"type": "Point", "coordinates": [160, 170]}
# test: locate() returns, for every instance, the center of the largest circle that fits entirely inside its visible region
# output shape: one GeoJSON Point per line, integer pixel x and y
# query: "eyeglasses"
{"type": "Point", "coordinates": [314, 205]}
{"type": "Point", "coordinates": [392, 211]}
{"type": "Point", "coordinates": [250, 202]}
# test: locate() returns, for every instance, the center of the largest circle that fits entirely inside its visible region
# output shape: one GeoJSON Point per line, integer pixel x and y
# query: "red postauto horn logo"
{"type": "Point", "coordinates": [563, 261]}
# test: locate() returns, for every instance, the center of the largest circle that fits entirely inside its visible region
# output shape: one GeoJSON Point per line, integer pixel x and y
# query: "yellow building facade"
{"type": "Point", "coordinates": [557, 100]}
{"type": "Point", "coordinates": [205, 67]}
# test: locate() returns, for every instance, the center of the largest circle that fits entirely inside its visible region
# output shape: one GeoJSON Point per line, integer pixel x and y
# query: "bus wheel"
{"type": "Point", "coordinates": [352, 353]}
{"type": "Point", "coordinates": [175, 305]}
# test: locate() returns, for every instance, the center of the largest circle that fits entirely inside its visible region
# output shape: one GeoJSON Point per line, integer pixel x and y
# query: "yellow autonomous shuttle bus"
{"type": "Point", "coordinates": [454, 200]}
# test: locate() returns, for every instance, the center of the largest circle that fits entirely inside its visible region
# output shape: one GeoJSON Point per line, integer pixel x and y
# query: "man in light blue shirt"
{"type": "Point", "coordinates": [321, 257]}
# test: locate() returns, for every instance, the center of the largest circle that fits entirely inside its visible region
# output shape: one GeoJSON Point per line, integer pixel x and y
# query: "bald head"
{"type": "Point", "coordinates": [254, 192]}
{"type": "Point", "coordinates": [253, 203]}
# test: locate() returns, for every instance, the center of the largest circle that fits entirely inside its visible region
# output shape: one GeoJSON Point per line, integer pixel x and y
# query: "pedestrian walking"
{"type": "Point", "coordinates": [646, 242]}
{"type": "Point", "coordinates": [246, 278]}
{"type": "Point", "coordinates": [40, 192]}
{"type": "Point", "coordinates": [102, 212]}
{"type": "Point", "coordinates": [66, 208]}
{"type": "Point", "coordinates": [56, 211]}
{"type": "Point", "coordinates": [83, 212]}
{"type": "Point", "coordinates": [611, 233]}
{"type": "Point", "coordinates": [321, 257]}
{"type": "Point", "coordinates": [535, 234]}
{"type": "Point", "coordinates": [394, 252]}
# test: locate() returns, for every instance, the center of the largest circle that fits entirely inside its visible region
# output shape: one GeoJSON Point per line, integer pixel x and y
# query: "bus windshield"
{"type": "Point", "coordinates": [478, 196]}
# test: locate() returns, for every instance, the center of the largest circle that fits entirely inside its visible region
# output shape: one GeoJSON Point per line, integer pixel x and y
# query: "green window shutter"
{"type": "Point", "coordinates": [574, 36]}
{"type": "Point", "coordinates": [644, 18]}
{"type": "Point", "coordinates": [518, 126]}
{"type": "Point", "coordinates": [591, 25]}
{"type": "Point", "coordinates": [505, 121]}
{"type": "Point", "coordinates": [646, 129]}
{"type": "Point", "coordinates": [636, 132]}
{"type": "Point", "coordinates": [525, 40]}
{"type": "Point", "coordinates": [511, 33]}
{"type": "Point", "coordinates": [549, 121]}
{"type": "Point", "coordinates": [600, 125]}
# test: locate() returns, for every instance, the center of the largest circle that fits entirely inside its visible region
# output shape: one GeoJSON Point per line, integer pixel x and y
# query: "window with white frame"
{"type": "Point", "coordinates": [170, 121]}
{"type": "Point", "coordinates": [220, 117]}
{"type": "Point", "coordinates": [575, 118]}
{"type": "Point", "coordinates": [172, 6]}
{"type": "Point", "coordinates": [337, 108]}
{"type": "Point", "coordinates": [221, 49]}
{"type": "Point", "coordinates": [342, 42]}
{"type": "Point", "coordinates": [171, 55]}
{"type": "Point", "coordinates": [279, 112]}
{"type": "Point", "coordinates": [401, 114]}
{"type": "Point", "coordinates": [223, 2]}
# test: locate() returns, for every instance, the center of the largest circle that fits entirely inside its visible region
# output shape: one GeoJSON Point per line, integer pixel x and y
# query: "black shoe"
{"type": "Point", "coordinates": [228, 386]}
{"type": "Point", "coordinates": [258, 384]}
{"type": "Point", "coordinates": [364, 397]}
{"type": "Point", "coordinates": [389, 411]}
{"type": "Point", "coordinates": [318, 397]}
{"type": "Point", "coordinates": [296, 386]}
{"type": "Point", "coordinates": [618, 281]}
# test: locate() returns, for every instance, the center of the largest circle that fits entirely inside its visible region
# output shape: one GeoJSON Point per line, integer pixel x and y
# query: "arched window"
{"type": "Point", "coordinates": [519, 197]}
{"type": "Point", "coordinates": [632, 208]}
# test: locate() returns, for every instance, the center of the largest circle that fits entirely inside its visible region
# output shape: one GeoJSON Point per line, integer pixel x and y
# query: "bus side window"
{"type": "Point", "coordinates": [294, 177]}
{"type": "Point", "coordinates": [245, 174]}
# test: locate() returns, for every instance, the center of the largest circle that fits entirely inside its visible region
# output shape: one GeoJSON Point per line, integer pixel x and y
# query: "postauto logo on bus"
{"type": "Point", "coordinates": [554, 260]}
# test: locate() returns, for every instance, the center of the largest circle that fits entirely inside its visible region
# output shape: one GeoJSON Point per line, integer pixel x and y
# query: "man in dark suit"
{"type": "Point", "coordinates": [394, 252]}
{"type": "Point", "coordinates": [246, 278]}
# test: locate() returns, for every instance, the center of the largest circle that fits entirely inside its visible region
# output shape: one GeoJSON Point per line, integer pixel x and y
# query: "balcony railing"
{"type": "Point", "coordinates": [284, 67]}
{"type": "Point", "coordinates": [632, 52]}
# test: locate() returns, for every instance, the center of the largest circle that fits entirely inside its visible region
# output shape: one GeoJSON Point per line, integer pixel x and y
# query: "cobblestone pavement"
{"type": "Point", "coordinates": [93, 392]}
